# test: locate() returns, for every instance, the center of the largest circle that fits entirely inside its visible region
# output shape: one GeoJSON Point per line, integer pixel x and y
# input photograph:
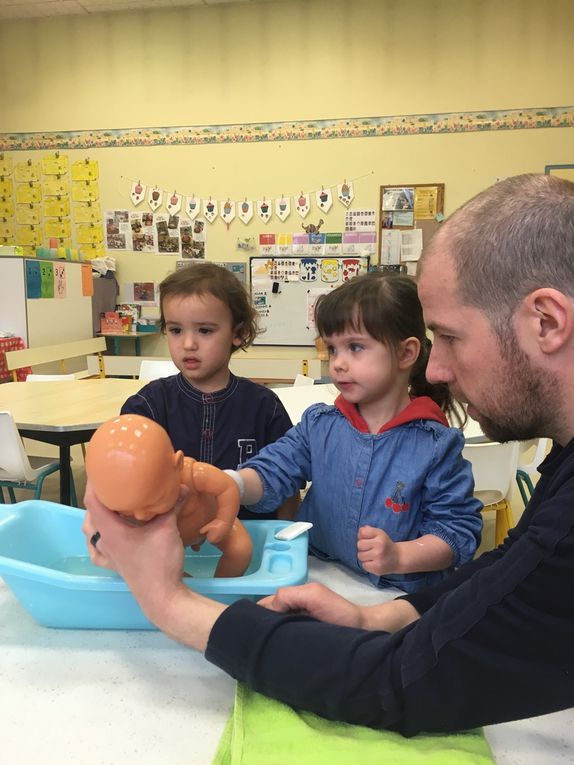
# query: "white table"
{"type": "Point", "coordinates": [123, 698]}
{"type": "Point", "coordinates": [65, 412]}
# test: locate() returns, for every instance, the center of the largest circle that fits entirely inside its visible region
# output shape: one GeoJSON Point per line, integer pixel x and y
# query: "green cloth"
{"type": "Point", "coordinates": [262, 731]}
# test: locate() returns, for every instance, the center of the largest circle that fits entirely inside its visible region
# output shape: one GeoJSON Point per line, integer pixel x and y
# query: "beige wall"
{"type": "Point", "coordinates": [293, 60]}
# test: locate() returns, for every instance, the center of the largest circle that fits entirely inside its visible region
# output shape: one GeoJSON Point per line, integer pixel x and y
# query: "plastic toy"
{"type": "Point", "coordinates": [133, 470]}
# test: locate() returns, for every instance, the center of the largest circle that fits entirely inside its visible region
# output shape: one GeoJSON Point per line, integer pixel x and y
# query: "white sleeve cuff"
{"type": "Point", "coordinates": [239, 481]}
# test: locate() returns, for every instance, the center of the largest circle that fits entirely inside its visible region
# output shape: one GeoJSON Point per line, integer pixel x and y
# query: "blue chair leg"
{"type": "Point", "coordinates": [2, 496]}
{"type": "Point", "coordinates": [11, 494]}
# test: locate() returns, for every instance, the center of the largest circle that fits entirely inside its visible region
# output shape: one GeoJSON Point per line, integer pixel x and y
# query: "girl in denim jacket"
{"type": "Point", "coordinates": [391, 495]}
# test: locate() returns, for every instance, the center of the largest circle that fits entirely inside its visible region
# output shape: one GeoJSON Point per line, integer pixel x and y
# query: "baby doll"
{"type": "Point", "coordinates": [134, 471]}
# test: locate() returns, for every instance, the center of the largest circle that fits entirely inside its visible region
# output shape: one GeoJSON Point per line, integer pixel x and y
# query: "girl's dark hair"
{"type": "Point", "coordinates": [387, 305]}
{"type": "Point", "coordinates": [209, 278]}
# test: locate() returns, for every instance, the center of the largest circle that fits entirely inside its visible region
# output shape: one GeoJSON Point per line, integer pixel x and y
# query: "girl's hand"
{"type": "Point", "coordinates": [376, 551]}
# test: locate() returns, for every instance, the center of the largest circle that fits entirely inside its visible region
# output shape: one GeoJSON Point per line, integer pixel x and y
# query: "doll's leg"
{"type": "Point", "coordinates": [237, 549]}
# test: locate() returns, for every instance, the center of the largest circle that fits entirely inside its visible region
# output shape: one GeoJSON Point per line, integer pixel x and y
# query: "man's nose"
{"type": "Point", "coordinates": [438, 370]}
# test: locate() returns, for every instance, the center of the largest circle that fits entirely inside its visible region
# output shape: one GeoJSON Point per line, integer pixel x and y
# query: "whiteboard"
{"type": "Point", "coordinates": [43, 321]}
{"type": "Point", "coordinates": [284, 291]}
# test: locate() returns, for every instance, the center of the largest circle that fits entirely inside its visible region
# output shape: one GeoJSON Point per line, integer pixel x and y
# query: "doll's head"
{"type": "Point", "coordinates": [132, 467]}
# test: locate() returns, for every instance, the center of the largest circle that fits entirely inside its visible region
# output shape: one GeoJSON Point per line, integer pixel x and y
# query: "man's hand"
{"type": "Point", "coordinates": [317, 601]}
{"type": "Point", "coordinates": [148, 556]}
{"type": "Point", "coordinates": [376, 551]}
{"type": "Point", "coordinates": [150, 559]}
{"type": "Point", "coordinates": [323, 604]}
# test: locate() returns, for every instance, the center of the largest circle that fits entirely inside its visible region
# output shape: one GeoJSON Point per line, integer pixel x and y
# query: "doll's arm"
{"type": "Point", "coordinates": [210, 480]}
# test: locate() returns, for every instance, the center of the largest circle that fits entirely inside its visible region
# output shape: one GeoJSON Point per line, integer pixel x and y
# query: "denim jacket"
{"type": "Point", "coordinates": [409, 480]}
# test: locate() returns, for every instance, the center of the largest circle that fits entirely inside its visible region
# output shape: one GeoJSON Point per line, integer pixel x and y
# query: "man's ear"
{"type": "Point", "coordinates": [409, 350]}
{"type": "Point", "coordinates": [548, 315]}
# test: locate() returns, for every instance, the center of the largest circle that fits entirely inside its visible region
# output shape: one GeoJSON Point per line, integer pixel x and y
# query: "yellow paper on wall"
{"type": "Point", "coordinates": [91, 251]}
{"type": "Point", "coordinates": [29, 252]}
{"type": "Point", "coordinates": [6, 187]}
{"type": "Point", "coordinates": [29, 235]}
{"type": "Point", "coordinates": [86, 233]}
{"type": "Point", "coordinates": [426, 202]}
{"type": "Point", "coordinates": [30, 193]}
{"type": "Point", "coordinates": [5, 165]}
{"type": "Point", "coordinates": [84, 213]}
{"type": "Point", "coordinates": [57, 165]}
{"type": "Point", "coordinates": [56, 227]}
{"type": "Point", "coordinates": [85, 170]}
{"type": "Point", "coordinates": [6, 229]}
{"type": "Point", "coordinates": [85, 191]}
{"type": "Point", "coordinates": [27, 172]}
{"type": "Point", "coordinates": [54, 207]}
{"type": "Point", "coordinates": [55, 187]}
{"type": "Point", "coordinates": [6, 208]}
{"type": "Point", "coordinates": [29, 214]}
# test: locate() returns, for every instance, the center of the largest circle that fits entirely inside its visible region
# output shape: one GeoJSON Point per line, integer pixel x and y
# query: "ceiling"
{"type": "Point", "coordinates": [28, 9]}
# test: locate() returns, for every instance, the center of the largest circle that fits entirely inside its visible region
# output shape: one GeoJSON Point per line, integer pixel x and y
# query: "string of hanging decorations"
{"type": "Point", "coordinates": [210, 208]}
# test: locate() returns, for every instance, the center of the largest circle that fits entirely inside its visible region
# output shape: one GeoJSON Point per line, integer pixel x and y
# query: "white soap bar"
{"type": "Point", "coordinates": [293, 530]}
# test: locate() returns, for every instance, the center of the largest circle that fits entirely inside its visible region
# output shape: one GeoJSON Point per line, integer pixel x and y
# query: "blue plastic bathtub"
{"type": "Point", "coordinates": [44, 562]}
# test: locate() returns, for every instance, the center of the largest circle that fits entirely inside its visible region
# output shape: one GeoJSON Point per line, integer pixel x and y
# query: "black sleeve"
{"type": "Point", "coordinates": [497, 647]}
{"type": "Point", "coordinates": [425, 598]}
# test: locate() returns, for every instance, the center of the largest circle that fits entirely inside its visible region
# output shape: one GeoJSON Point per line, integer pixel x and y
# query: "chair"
{"type": "Point", "coordinates": [297, 398]}
{"type": "Point", "coordinates": [17, 469]}
{"type": "Point", "coordinates": [151, 369]}
{"type": "Point", "coordinates": [529, 467]}
{"type": "Point", "coordinates": [46, 354]}
{"type": "Point", "coordinates": [494, 468]}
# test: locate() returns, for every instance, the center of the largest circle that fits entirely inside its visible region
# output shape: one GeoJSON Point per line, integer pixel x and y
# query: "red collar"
{"type": "Point", "coordinates": [420, 408]}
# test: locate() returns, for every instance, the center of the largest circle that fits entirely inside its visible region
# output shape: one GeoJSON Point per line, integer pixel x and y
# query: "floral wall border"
{"type": "Point", "coordinates": [302, 130]}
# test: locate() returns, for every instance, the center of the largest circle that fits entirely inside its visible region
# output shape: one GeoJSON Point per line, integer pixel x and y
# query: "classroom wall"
{"type": "Point", "coordinates": [292, 60]}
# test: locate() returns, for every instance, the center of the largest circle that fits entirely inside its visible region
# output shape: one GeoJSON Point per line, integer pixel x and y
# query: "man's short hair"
{"type": "Point", "coordinates": [511, 239]}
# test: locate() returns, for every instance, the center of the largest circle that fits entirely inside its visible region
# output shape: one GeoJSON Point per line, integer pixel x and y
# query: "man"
{"type": "Point", "coordinates": [494, 641]}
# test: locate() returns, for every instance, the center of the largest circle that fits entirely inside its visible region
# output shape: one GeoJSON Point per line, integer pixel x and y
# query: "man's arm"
{"type": "Point", "coordinates": [496, 648]}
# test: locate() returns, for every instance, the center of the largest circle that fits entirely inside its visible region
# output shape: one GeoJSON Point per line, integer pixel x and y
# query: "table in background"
{"type": "Point", "coordinates": [11, 344]}
{"type": "Point", "coordinates": [135, 336]}
{"type": "Point", "coordinates": [137, 698]}
{"type": "Point", "coordinates": [65, 412]}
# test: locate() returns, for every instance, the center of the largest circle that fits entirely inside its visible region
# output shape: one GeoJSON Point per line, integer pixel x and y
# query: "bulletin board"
{"type": "Point", "coordinates": [409, 215]}
{"type": "Point", "coordinates": [285, 290]}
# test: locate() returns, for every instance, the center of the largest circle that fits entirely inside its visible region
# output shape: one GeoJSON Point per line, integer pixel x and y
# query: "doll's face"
{"type": "Point", "coordinates": [143, 505]}
{"type": "Point", "coordinates": [132, 467]}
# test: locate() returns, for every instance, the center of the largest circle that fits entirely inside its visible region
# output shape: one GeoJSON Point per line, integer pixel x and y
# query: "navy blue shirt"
{"type": "Point", "coordinates": [224, 428]}
{"type": "Point", "coordinates": [494, 641]}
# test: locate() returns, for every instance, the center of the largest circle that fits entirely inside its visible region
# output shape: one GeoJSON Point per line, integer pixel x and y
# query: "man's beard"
{"type": "Point", "coordinates": [525, 401]}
